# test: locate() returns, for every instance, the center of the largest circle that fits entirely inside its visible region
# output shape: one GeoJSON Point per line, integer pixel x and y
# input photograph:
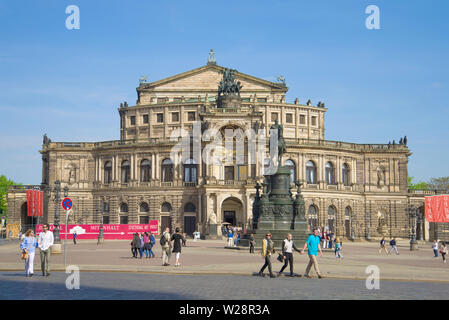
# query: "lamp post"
{"type": "Point", "coordinates": [57, 191]}
{"type": "Point", "coordinates": [101, 235]}
{"type": "Point", "coordinates": [352, 226]}
{"type": "Point", "coordinates": [413, 214]}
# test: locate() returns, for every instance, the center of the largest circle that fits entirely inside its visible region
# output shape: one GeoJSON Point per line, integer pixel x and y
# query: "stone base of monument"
{"type": "Point", "coordinates": [213, 232]}
{"type": "Point", "coordinates": [56, 248]}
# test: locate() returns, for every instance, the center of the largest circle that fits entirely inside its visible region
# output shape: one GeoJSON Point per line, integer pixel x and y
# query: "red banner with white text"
{"type": "Point", "coordinates": [110, 231]}
{"type": "Point", "coordinates": [437, 208]}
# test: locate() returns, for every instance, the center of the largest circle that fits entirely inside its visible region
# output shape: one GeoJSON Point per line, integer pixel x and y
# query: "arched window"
{"type": "Point", "coordinates": [145, 170]}
{"type": "Point", "coordinates": [166, 207]}
{"type": "Point", "coordinates": [108, 172]}
{"type": "Point", "coordinates": [144, 207]}
{"type": "Point", "coordinates": [126, 171]}
{"type": "Point", "coordinates": [331, 213]}
{"type": "Point", "coordinates": [311, 172]}
{"type": "Point", "coordinates": [189, 207]}
{"type": "Point", "coordinates": [167, 170]}
{"type": "Point", "coordinates": [313, 216]}
{"type": "Point", "coordinates": [123, 213]}
{"type": "Point", "coordinates": [123, 208]}
{"type": "Point", "coordinates": [190, 171]}
{"type": "Point", "coordinates": [348, 218]}
{"type": "Point", "coordinates": [330, 174]}
{"type": "Point", "coordinates": [345, 174]}
{"type": "Point", "coordinates": [292, 168]}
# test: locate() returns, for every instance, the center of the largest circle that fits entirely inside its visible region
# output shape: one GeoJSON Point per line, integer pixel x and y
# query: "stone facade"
{"type": "Point", "coordinates": [354, 188]}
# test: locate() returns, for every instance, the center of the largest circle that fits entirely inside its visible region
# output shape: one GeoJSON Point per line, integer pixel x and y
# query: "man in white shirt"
{"type": "Point", "coordinates": [287, 252]}
{"type": "Point", "coordinates": [45, 242]}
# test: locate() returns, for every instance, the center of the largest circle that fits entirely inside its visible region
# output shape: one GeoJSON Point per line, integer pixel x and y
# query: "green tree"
{"type": "Point", "coordinates": [4, 186]}
{"type": "Point", "coordinates": [417, 186]}
{"type": "Point", "coordinates": [439, 183]}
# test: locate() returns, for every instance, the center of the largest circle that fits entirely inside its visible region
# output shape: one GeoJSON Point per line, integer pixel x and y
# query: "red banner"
{"type": "Point", "coordinates": [437, 208]}
{"type": "Point", "coordinates": [29, 194]}
{"type": "Point", "coordinates": [35, 201]}
{"type": "Point", "coordinates": [110, 231]}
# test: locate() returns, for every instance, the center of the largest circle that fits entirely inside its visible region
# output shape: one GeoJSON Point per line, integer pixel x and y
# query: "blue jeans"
{"type": "Point", "coordinates": [435, 251]}
{"type": "Point", "coordinates": [146, 252]}
{"type": "Point", "coordinates": [140, 252]}
{"type": "Point", "coordinates": [151, 252]}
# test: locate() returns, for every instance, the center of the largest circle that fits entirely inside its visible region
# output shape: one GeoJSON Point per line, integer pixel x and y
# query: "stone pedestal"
{"type": "Point", "coordinates": [213, 231]}
{"type": "Point", "coordinates": [413, 245]}
{"type": "Point", "coordinates": [56, 248]}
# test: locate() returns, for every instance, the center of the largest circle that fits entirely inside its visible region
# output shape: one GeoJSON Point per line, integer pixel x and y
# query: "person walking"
{"type": "Point", "coordinates": [443, 251]}
{"type": "Point", "coordinates": [383, 246]}
{"type": "Point", "coordinates": [152, 244]}
{"type": "Point", "coordinates": [146, 244]}
{"type": "Point", "coordinates": [337, 251]}
{"type": "Point", "coordinates": [177, 244]}
{"type": "Point", "coordinates": [45, 241]}
{"type": "Point", "coordinates": [29, 245]}
{"type": "Point", "coordinates": [135, 244]}
{"type": "Point", "coordinates": [74, 237]}
{"type": "Point", "coordinates": [252, 242]}
{"type": "Point", "coordinates": [165, 243]}
{"type": "Point", "coordinates": [184, 239]}
{"type": "Point", "coordinates": [287, 252]}
{"type": "Point", "coordinates": [435, 248]}
{"type": "Point", "coordinates": [324, 238]}
{"type": "Point", "coordinates": [230, 237]}
{"type": "Point", "coordinates": [267, 251]}
{"type": "Point", "coordinates": [393, 246]}
{"type": "Point", "coordinates": [313, 245]}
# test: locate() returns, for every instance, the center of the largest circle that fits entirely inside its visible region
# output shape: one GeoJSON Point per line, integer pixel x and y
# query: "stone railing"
{"type": "Point", "coordinates": [345, 145]}
{"type": "Point", "coordinates": [427, 192]}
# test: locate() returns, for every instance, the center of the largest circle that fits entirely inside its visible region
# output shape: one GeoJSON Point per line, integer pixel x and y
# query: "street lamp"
{"type": "Point", "coordinates": [413, 213]}
{"type": "Point", "coordinates": [101, 235]}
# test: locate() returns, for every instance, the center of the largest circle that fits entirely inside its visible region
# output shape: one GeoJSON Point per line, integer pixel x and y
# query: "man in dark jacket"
{"type": "Point", "coordinates": [135, 244]}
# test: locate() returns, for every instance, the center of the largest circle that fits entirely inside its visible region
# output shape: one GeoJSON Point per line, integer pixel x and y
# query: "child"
{"type": "Point", "coordinates": [338, 249]}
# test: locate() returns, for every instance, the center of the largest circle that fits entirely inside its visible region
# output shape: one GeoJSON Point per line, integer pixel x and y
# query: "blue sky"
{"type": "Point", "coordinates": [378, 85]}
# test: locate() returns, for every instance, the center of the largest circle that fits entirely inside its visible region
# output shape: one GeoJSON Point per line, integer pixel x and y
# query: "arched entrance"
{"type": "Point", "coordinates": [232, 211]}
{"type": "Point", "coordinates": [26, 221]}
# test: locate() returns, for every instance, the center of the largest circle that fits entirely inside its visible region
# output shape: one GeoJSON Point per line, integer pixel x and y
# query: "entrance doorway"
{"type": "Point", "coordinates": [189, 225]}
{"type": "Point", "coordinates": [165, 223]}
{"type": "Point", "coordinates": [229, 216]}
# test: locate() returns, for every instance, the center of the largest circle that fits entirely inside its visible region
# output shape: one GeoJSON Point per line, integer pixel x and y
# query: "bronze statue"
{"type": "Point", "coordinates": [281, 142]}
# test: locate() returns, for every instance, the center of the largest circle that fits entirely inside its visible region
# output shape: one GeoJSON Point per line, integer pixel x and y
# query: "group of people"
{"type": "Point", "coordinates": [441, 248]}
{"type": "Point", "coordinates": [174, 242]}
{"type": "Point", "coordinates": [393, 245]}
{"type": "Point", "coordinates": [29, 245]}
{"type": "Point", "coordinates": [312, 245]}
{"type": "Point", "coordinates": [232, 234]}
{"type": "Point", "coordinates": [143, 243]}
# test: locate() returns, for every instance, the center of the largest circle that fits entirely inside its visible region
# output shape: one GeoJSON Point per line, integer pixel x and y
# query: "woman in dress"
{"type": "Point", "coordinates": [29, 245]}
{"type": "Point", "coordinates": [177, 244]}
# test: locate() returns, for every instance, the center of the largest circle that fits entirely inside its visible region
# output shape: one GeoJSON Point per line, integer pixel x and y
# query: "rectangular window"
{"type": "Point", "coordinates": [123, 219]}
{"type": "Point", "coordinates": [176, 99]}
{"type": "Point", "coordinates": [144, 219]}
{"type": "Point", "coordinates": [313, 120]}
{"type": "Point", "coordinates": [302, 119]}
{"type": "Point", "coordinates": [191, 116]}
{"type": "Point", "coordinates": [105, 219]}
{"type": "Point", "coordinates": [261, 99]}
{"type": "Point", "coordinates": [229, 173]}
{"type": "Point", "coordinates": [175, 117]}
{"type": "Point", "coordinates": [133, 120]}
{"type": "Point", "coordinates": [274, 116]}
{"type": "Point", "coordinates": [161, 100]}
{"type": "Point", "coordinates": [289, 118]}
{"type": "Point", "coordinates": [145, 118]}
{"type": "Point", "coordinates": [160, 117]}
{"type": "Point", "coordinates": [243, 172]}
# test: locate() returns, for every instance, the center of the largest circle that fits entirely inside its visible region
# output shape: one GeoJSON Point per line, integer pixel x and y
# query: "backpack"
{"type": "Point", "coordinates": [392, 243]}
{"type": "Point", "coordinates": [163, 240]}
{"type": "Point", "coordinates": [153, 241]}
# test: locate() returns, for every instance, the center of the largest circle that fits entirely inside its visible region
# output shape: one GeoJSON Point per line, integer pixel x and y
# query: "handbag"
{"type": "Point", "coordinates": [280, 258]}
{"type": "Point", "coordinates": [24, 255]}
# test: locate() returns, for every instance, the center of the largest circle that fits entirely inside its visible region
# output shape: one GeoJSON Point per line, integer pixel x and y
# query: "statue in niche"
{"type": "Point", "coordinates": [380, 177]}
{"type": "Point", "coordinates": [72, 174]}
{"type": "Point", "coordinates": [212, 218]}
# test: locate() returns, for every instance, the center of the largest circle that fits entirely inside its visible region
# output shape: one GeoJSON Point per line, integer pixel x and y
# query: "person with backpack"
{"type": "Point", "coordinates": [383, 246]}
{"type": "Point", "coordinates": [146, 244]}
{"type": "Point", "coordinates": [152, 244]}
{"type": "Point", "coordinates": [393, 246]}
{"type": "Point", "coordinates": [165, 246]}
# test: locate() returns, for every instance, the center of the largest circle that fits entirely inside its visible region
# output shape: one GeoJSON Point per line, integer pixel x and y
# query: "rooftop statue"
{"type": "Point", "coordinates": [227, 84]}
